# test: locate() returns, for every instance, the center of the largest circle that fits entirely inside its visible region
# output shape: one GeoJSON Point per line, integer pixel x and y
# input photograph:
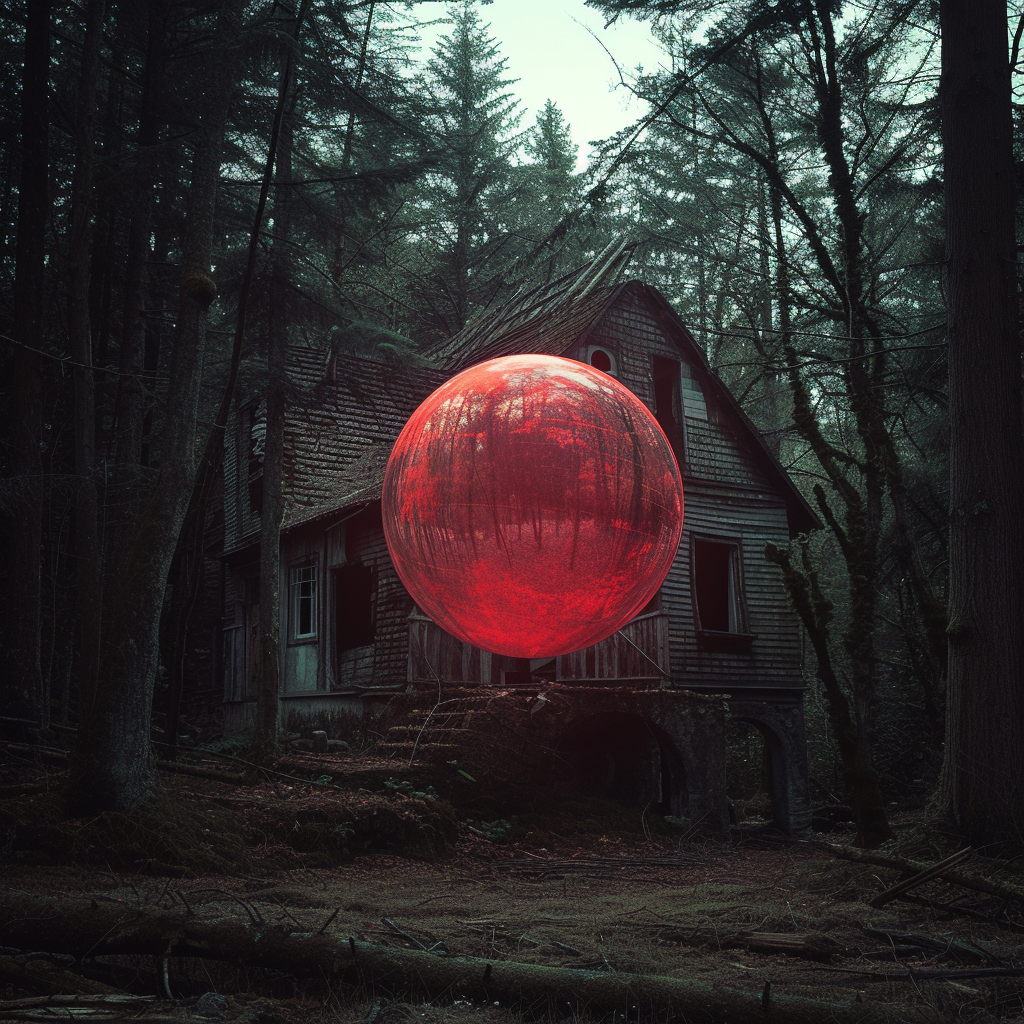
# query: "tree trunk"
{"type": "Point", "coordinates": [186, 568]}
{"type": "Point", "coordinates": [272, 512]}
{"type": "Point", "coordinates": [88, 577]}
{"type": "Point", "coordinates": [982, 787]}
{"type": "Point", "coordinates": [104, 929]}
{"type": "Point", "coordinates": [850, 720]}
{"type": "Point", "coordinates": [130, 404]}
{"type": "Point", "coordinates": [22, 696]}
{"type": "Point", "coordinates": [114, 768]}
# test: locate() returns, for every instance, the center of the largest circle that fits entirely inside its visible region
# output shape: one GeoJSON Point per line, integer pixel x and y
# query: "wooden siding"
{"type": "Point", "coordinates": [775, 653]}
{"type": "Point", "coordinates": [725, 494]}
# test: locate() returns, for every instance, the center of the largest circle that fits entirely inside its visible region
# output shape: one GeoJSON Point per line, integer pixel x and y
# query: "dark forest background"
{"type": "Point", "coordinates": [187, 186]}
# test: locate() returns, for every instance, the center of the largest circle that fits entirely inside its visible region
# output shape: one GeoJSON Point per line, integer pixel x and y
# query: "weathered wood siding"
{"type": "Point", "coordinates": [726, 494]}
{"type": "Point", "coordinates": [383, 663]}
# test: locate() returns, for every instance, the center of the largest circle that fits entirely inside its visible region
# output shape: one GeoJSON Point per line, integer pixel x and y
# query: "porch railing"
{"type": "Point", "coordinates": [638, 652]}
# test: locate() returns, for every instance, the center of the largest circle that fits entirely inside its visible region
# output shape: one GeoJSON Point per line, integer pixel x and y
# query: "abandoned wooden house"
{"type": "Point", "coordinates": [352, 638]}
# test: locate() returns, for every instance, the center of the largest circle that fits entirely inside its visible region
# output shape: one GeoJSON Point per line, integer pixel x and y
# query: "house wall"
{"type": "Point", "coordinates": [725, 495]}
{"type": "Point", "coordinates": [314, 665]}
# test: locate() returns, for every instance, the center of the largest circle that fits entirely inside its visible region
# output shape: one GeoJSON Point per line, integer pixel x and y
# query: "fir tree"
{"type": "Point", "coordinates": [474, 119]}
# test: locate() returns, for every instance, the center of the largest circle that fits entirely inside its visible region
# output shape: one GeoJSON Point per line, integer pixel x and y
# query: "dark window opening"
{"type": "Point", "coordinates": [714, 586]}
{"type": "Point", "coordinates": [719, 610]}
{"type": "Point", "coordinates": [668, 408]}
{"type": "Point", "coordinates": [600, 360]}
{"type": "Point", "coordinates": [355, 606]}
{"type": "Point", "coordinates": [303, 602]}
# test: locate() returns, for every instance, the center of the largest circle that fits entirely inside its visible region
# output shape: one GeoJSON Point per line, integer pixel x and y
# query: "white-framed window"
{"type": "Point", "coordinates": [302, 601]}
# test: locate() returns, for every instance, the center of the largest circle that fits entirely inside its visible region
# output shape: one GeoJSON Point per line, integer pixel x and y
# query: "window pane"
{"type": "Point", "coordinates": [712, 569]}
{"type": "Point", "coordinates": [303, 589]}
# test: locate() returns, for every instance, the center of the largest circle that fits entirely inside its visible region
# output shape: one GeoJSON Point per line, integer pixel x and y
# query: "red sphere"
{"type": "Point", "coordinates": [532, 506]}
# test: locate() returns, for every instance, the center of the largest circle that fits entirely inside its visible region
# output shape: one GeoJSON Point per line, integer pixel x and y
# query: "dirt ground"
{"type": "Point", "coordinates": [573, 884]}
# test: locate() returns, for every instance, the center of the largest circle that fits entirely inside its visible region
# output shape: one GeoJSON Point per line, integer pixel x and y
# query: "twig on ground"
{"type": "Point", "coordinates": [402, 934]}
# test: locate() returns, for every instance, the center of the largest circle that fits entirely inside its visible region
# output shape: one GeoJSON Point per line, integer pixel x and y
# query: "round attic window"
{"type": "Point", "coordinates": [601, 359]}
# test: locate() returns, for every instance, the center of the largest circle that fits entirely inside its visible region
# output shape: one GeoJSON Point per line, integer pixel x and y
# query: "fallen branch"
{"type": "Point", "coordinates": [950, 947]}
{"type": "Point", "coordinates": [402, 934]}
{"type": "Point", "coordinates": [42, 976]}
{"type": "Point", "coordinates": [99, 929]}
{"type": "Point", "coordinates": [956, 910]}
{"type": "Point", "coordinates": [110, 999]}
{"type": "Point", "coordinates": [919, 878]}
{"type": "Point", "coordinates": [54, 755]}
{"type": "Point", "coordinates": [180, 768]}
{"type": "Point", "coordinates": [7, 792]}
{"type": "Point", "coordinates": [912, 974]}
{"type": "Point", "coordinates": [911, 867]}
{"type": "Point", "coordinates": [810, 946]}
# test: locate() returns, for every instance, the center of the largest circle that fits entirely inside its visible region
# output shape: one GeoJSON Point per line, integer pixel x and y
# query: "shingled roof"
{"type": "Point", "coordinates": [340, 440]}
{"type": "Point", "coordinates": [344, 417]}
{"type": "Point", "coordinates": [548, 317]}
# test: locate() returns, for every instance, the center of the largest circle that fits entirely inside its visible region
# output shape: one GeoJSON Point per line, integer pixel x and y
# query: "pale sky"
{"type": "Point", "coordinates": [553, 55]}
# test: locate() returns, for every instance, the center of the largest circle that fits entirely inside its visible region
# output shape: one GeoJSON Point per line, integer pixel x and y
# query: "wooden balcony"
{"type": "Point", "coordinates": [637, 655]}
{"type": "Point", "coordinates": [637, 652]}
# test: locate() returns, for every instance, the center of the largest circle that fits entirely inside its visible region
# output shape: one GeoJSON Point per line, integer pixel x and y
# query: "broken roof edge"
{"type": "Point", "coordinates": [528, 306]}
{"type": "Point", "coordinates": [802, 518]}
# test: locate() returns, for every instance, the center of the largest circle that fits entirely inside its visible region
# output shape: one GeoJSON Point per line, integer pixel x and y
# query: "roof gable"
{"type": "Point", "coordinates": [340, 433]}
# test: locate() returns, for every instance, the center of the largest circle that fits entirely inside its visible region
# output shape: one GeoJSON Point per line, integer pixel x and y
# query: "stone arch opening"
{"type": "Point", "coordinates": [757, 773]}
{"type": "Point", "coordinates": [624, 758]}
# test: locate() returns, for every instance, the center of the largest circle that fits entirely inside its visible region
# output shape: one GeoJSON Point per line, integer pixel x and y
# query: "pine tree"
{"type": "Point", "coordinates": [554, 153]}
{"type": "Point", "coordinates": [474, 119]}
{"type": "Point", "coordinates": [554, 187]}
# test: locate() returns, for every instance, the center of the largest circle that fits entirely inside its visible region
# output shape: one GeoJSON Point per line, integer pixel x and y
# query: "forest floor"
{"type": "Point", "coordinates": [591, 886]}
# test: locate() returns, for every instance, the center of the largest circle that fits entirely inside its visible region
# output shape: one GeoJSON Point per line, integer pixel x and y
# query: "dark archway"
{"type": "Point", "coordinates": [770, 769]}
{"type": "Point", "coordinates": [625, 758]}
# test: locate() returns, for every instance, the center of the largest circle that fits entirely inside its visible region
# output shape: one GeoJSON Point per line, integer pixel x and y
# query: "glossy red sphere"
{"type": "Point", "coordinates": [532, 506]}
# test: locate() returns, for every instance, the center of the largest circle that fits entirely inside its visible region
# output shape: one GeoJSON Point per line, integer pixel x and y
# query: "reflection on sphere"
{"type": "Point", "coordinates": [532, 506]}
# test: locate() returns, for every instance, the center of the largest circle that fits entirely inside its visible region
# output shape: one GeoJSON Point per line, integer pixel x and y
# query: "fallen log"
{"type": "Point", "coordinates": [808, 946]}
{"type": "Point", "coordinates": [949, 947]}
{"type": "Point", "coordinates": [911, 867]}
{"type": "Point", "coordinates": [112, 999]}
{"type": "Point", "coordinates": [41, 976]}
{"type": "Point", "coordinates": [87, 927]}
{"type": "Point", "coordinates": [9, 792]}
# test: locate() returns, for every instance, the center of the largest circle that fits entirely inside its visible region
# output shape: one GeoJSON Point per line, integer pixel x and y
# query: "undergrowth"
{"type": "Point", "coordinates": [178, 834]}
